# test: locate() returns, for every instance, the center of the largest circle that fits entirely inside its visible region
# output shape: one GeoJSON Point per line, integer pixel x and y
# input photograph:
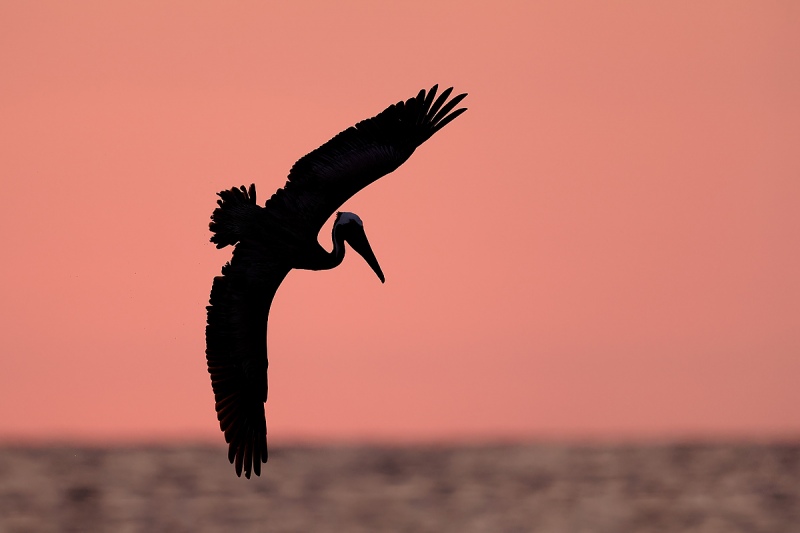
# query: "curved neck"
{"type": "Point", "coordinates": [318, 258]}
{"type": "Point", "coordinates": [337, 255]}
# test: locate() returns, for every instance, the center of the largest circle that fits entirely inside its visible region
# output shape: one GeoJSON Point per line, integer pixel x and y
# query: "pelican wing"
{"type": "Point", "coordinates": [236, 352]}
{"type": "Point", "coordinates": [320, 182]}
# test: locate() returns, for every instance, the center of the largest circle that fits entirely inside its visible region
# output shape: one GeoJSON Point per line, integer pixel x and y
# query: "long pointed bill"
{"type": "Point", "coordinates": [361, 245]}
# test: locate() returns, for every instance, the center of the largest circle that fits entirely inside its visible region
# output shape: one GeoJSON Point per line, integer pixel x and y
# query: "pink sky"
{"type": "Point", "coordinates": [604, 246]}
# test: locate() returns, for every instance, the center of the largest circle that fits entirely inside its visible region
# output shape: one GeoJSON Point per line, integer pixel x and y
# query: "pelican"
{"type": "Point", "coordinates": [269, 241]}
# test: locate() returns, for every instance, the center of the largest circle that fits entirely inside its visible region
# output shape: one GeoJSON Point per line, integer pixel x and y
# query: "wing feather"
{"type": "Point", "coordinates": [320, 182]}
{"type": "Point", "coordinates": [236, 353]}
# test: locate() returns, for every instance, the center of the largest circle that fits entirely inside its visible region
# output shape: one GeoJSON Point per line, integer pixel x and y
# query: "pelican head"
{"type": "Point", "coordinates": [348, 227]}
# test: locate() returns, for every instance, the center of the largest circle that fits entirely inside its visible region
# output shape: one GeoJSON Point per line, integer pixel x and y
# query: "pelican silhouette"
{"type": "Point", "coordinates": [271, 240]}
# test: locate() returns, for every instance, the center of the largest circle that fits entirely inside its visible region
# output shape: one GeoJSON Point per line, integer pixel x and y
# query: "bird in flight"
{"type": "Point", "coordinates": [271, 240]}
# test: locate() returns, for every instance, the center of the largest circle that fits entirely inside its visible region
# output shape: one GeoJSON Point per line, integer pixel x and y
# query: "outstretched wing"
{"type": "Point", "coordinates": [320, 182]}
{"type": "Point", "coordinates": [236, 352]}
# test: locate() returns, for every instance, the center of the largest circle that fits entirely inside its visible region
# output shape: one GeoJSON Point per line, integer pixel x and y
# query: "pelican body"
{"type": "Point", "coordinates": [269, 241]}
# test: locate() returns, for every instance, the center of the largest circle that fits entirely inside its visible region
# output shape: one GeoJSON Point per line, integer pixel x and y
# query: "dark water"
{"type": "Point", "coordinates": [536, 488]}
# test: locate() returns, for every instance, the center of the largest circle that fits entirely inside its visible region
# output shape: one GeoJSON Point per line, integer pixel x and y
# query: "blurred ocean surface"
{"type": "Point", "coordinates": [544, 488]}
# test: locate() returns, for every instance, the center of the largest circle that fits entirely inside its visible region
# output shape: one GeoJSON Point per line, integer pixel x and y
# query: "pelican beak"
{"type": "Point", "coordinates": [361, 245]}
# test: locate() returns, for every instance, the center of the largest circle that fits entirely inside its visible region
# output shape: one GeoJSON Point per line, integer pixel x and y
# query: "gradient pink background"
{"type": "Point", "coordinates": [604, 246]}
